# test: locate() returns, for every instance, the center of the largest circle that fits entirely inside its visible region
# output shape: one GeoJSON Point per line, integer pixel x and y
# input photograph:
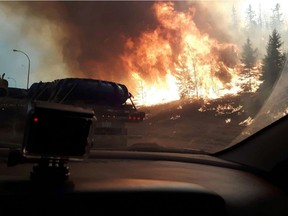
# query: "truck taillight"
{"type": "Point", "coordinates": [135, 118]}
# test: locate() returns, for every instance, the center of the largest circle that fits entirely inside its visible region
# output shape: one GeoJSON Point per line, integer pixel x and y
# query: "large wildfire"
{"type": "Point", "coordinates": [171, 58]}
{"type": "Point", "coordinates": [176, 61]}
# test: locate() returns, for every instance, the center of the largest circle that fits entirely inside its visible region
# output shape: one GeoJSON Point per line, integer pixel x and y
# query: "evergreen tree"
{"type": "Point", "coordinates": [251, 23]}
{"type": "Point", "coordinates": [185, 82]}
{"type": "Point", "coordinates": [272, 65]}
{"type": "Point", "coordinates": [276, 19]}
{"type": "Point", "coordinates": [235, 19]}
{"type": "Point", "coordinates": [249, 58]}
{"type": "Point", "coordinates": [274, 59]}
{"type": "Point", "coordinates": [249, 55]}
{"type": "Point", "coordinates": [260, 21]}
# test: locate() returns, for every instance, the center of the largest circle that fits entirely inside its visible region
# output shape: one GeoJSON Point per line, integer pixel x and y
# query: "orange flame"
{"type": "Point", "coordinates": [176, 60]}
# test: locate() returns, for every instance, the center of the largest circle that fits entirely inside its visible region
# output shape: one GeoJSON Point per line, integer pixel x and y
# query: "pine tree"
{"type": "Point", "coordinates": [274, 59]}
{"type": "Point", "coordinates": [276, 19]}
{"type": "Point", "coordinates": [235, 19]}
{"type": "Point", "coordinates": [272, 65]}
{"type": "Point", "coordinates": [249, 58]}
{"type": "Point", "coordinates": [251, 23]}
{"type": "Point", "coordinates": [249, 55]}
{"type": "Point", "coordinates": [260, 21]}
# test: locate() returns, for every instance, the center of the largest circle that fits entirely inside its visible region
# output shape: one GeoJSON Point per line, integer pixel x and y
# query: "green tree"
{"type": "Point", "coordinates": [249, 55]}
{"type": "Point", "coordinates": [249, 59]}
{"type": "Point", "coordinates": [274, 59]}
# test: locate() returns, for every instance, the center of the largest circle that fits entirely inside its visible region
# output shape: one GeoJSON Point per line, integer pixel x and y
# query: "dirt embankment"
{"type": "Point", "coordinates": [195, 124]}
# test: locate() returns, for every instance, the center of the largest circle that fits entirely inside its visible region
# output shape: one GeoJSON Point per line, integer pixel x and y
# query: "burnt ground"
{"type": "Point", "coordinates": [207, 126]}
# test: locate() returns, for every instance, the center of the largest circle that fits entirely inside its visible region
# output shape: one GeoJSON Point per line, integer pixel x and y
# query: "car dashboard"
{"type": "Point", "coordinates": [143, 183]}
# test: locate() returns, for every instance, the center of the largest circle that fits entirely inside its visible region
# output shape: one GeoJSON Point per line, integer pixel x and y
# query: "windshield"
{"type": "Point", "coordinates": [165, 75]}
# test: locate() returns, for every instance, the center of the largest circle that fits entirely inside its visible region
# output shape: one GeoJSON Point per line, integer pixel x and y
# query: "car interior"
{"type": "Point", "coordinates": [178, 112]}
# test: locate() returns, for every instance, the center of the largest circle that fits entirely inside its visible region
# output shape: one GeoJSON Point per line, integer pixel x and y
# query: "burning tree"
{"type": "Point", "coordinates": [185, 82]}
{"type": "Point", "coordinates": [186, 74]}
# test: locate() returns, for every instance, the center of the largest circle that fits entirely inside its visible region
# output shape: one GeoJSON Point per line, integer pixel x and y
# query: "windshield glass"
{"type": "Point", "coordinates": [164, 75]}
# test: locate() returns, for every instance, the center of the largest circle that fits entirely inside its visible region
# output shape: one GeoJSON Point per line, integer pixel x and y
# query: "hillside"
{"type": "Point", "coordinates": [194, 124]}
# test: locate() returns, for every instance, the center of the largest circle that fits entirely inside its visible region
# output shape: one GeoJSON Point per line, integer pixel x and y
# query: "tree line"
{"type": "Point", "coordinates": [258, 28]}
{"type": "Point", "coordinates": [258, 22]}
{"type": "Point", "coordinates": [272, 63]}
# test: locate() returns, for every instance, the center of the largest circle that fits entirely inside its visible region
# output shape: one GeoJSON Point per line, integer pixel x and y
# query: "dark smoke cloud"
{"type": "Point", "coordinates": [101, 28]}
